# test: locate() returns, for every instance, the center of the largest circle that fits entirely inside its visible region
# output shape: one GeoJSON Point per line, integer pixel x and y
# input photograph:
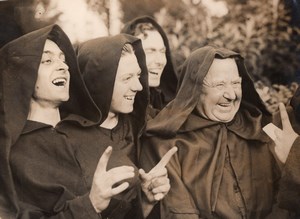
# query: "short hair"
{"type": "Point", "coordinates": [127, 49]}
{"type": "Point", "coordinates": [142, 28]}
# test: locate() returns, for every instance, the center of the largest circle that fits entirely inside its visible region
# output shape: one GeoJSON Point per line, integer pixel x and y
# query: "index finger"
{"type": "Point", "coordinates": [102, 164]}
{"type": "Point", "coordinates": [165, 159]}
{"type": "Point", "coordinates": [286, 124]}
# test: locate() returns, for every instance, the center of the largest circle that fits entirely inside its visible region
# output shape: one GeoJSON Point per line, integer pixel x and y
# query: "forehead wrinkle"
{"type": "Point", "coordinates": [53, 53]}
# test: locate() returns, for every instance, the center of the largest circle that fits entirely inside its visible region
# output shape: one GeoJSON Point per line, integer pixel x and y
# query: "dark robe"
{"type": "Point", "coordinates": [221, 170]}
{"type": "Point", "coordinates": [98, 60]}
{"type": "Point", "coordinates": [47, 177]}
{"type": "Point", "coordinates": [289, 193]}
{"type": "Point", "coordinates": [162, 95]}
{"type": "Point", "coordinates": [8, 207]}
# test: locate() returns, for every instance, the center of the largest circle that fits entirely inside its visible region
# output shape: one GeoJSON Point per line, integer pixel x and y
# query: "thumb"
{"type": "Point", "coordinates": [144, 176]}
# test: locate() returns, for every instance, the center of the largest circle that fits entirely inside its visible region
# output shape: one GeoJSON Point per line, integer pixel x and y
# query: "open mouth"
{"type": "Point", "coordinates": [152, 72]}
{"type": "Point", "coordinates": [225, 104]}
{"type": "Point", "coordinates": [60, 82]}
{"type": "Point", "coordinates": [129, 97]}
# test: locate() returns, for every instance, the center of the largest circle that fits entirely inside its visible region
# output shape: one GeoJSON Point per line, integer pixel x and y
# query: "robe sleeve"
{"type": "Point", "coordinates": [178, 203]}
{"type": "Point", "coordinates": [289, 190]}
{"type": "Point", "coordinates": [79, 207]}
{"type": "Point", "coordinates": [47, 179]}
{"type": "Point", "coordinates": [289, 184]}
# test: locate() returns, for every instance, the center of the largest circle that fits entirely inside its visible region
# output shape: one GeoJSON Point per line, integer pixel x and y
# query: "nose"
{"type": "Point", "coordinates": [229, 93]}
{"type": "Point", "coordinates": [136, 85]}
{"type": "Point", "coordinates": [160, 59]}
{"type": "Point", "coordinates": [62, 66]}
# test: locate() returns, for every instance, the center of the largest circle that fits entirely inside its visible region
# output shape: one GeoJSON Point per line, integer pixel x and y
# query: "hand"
{"type": "Point", "coordinates": [102, 186]}
{"type": "Point", "coordinates": [156, 184]}
{"type": "Point", "coordinates": [284, 138]}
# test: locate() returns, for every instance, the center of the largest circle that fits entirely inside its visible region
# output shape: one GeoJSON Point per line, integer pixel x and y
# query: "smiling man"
{"type": "Point", "coordinates": [161, 71]}
{"type": "Point", "coordinates": [223, 168]}
{"type": "Point", "coordinates": [222, 91]}
{"type": "Point", "coordinates": [52, 86]}
{"type": "Point", "coordinates": [114, 70]}
{"type": "Point", "coordinates": [43, 93]}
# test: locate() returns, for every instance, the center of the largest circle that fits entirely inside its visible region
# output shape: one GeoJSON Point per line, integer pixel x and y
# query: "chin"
{"type": "Point", "coordinates": [227, 119]}
{"type": "Point", "coordinates": [65, 98]}
{"type": "Point", "coordinates": [127, 111]}
{"type": "Point", "coordinates": [154, 84]}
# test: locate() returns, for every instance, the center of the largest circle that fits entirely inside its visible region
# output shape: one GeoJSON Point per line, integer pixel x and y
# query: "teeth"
{"type": "Point", "coordinates": [59, 81]}
{"type": "Point", "coordinates": [129, 98]}
{"type": "Point", "coordinates": [225, 104]}
{"type": "Point", "coordinates": [153, 73]}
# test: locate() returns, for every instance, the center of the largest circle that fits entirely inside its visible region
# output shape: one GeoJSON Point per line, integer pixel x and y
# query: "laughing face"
{"type": "Point", "coordinates": [155, 51]}
{"type": "Point", "coordinates": [127, 84]}
{"type": "Point", "coordinates": [222, 91]}
{"type": "Point", "coordinates": [52, 85]}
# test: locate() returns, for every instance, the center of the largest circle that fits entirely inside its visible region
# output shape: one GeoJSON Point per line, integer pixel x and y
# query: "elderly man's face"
{"type": "Point", "coordinates": [222, 91]}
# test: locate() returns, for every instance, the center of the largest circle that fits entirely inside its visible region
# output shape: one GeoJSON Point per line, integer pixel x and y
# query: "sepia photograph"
{"type": "Point", "coordinates": [149, 109]}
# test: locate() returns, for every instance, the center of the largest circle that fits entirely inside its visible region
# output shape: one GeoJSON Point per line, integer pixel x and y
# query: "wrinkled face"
{"type": "Point", "coordinates": [222, 91]}
{"type": "Point", "coordinates": [156, 60]}
{"type": "Point", "coordinates": [52, 85]}
{"type": "Point", "coordinates": [127, 84]}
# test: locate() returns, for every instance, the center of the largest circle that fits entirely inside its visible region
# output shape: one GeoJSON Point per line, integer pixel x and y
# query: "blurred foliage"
{"type": "Point", "coordinates": [27, 14]}
{"type": "Point", "coordinates": [101, 6]}
{"type": "Point", "coordinates": [272, 95]}
{"type": "Point", "coordinates": [259, 30]}
{"type": "Point", "coordinates": [134, 8]}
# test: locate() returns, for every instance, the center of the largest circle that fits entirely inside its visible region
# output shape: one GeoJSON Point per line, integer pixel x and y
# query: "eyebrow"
{"type": "Point", "coordinates": [235, 79]}
{"type": "Point", "coordinates": [51, 53]}
{"type": "Point", "coordinates": [152, 49]}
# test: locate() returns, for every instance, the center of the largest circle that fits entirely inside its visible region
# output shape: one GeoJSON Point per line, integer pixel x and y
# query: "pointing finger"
{"type": "Point", "coordinates": [102, 164]}
{"type": "Point", "coordinates": [165, 159]}
{"type": "Point", "coordinates": [286, 124]}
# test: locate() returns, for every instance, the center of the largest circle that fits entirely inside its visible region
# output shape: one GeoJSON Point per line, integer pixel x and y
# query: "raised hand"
{"type": "Point", "coordinates": [156, 184]}
{"type": "Point", "coordinates": [102, 187]}
{"type": "Point", "coordinates": [284, 138]}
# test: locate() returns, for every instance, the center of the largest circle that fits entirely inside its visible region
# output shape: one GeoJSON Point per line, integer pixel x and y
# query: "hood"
{"type": "Point", "coordinates": [194, 69]}
{"type": "Point", "coordinates": [295, 103]}
{"type": "Point", "coordinates": [98, 61]}
{"type": "Point", "coordinates": [168, 82]}
{"type": "Point", "coordinates": [19, 63]}
{"type": "Point", "coordinates": [19, 68]}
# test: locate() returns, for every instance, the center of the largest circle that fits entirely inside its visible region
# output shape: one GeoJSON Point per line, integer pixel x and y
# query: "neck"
{"type": "Point", "coordinates": [44, 112]}
{"type": "Point", "coordinates": [111, 121]}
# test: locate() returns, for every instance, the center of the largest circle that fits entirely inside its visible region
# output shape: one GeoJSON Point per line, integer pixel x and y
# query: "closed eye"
{"type": "Point", "coordinates": [220, 85]}
{"type": "Point", "coordinates": [237, 83]}
{"type": "Point", "coordinates": [47, 61]}
{"type": "Point", "coordinates": [139, 74]}
{"type": "Point", "coordinates": [149, 51]}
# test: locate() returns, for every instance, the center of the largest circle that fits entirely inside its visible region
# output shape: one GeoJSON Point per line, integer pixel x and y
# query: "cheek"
{"type": "Point", "coordinates": [213, 98]}
{"type": "Point", "coordinates": [165, 59]}
{"type": "Point", "coordinates": [239, 94]}
{"type": "Point", "coordinates": [149, 58]}
{"type": "Point", "coordinates": [119, 91]}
